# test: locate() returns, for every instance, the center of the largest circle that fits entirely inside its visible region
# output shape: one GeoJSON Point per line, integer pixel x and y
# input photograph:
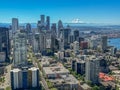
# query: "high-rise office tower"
{"type": "Point", "coordinates": [53, 29]}
{"type": "Point", "coordinates": [61, 41]}
{"type": "Point", "coordinates": [15, 24]}
{"type": "Point", "coordinates": [71, 39]}
{"type": "Point", "coordinates": [60, 26]}
{"type": "Point", "coordinates": [28, 28]}
{"type": "Point", "coordinates": [36, 42]}
{"type": "Point", "coordinates": [76, 35]}
{"type": "Point", "coordinates": [76, 47]}
{"type": "Point", "coordinates": [20, 48]}
{"type": "Point", "coordinates": [49, 40]}
{"type": "Point", "coordinates": [29, 33]}
{"type": "Point", "coordinates": [39, 25]}
{"type": "Point", "coordinates": [43, 40]}
{"type": "Point", "coordinates": [4, 43]}
{"type": "Point", "coordinates": [42, 20]}
{"type": "Point", "coordinates": [54, 33]}
{"type": "Point", "coordinates": [47, 23]}
{"type": "Point", "coordinates": [92, 69]}
{"type": "Point", "coordinates": [42, 24]}
{"type": "Point", "coordinates": [104, 43]}
{"type": "Point", "coordinates": [64, 35]}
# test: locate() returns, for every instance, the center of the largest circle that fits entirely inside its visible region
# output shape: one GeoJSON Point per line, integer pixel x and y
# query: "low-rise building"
{"type": "Point", "coordinates": [65, 83]}
{"type": "Point", "coordinates": [55, 71]}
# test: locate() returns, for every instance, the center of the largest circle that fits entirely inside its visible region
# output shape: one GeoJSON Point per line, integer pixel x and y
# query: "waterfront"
{"type": "Point", "coordinates": [114, 42]}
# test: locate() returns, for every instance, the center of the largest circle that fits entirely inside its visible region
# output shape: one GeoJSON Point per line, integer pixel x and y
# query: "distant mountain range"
{"type": "Point", "coordinates": [34, 25]}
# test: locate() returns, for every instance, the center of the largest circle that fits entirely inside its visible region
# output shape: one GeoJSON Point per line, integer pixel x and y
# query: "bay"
{"type": "Point", "coordinates": [114, 42]}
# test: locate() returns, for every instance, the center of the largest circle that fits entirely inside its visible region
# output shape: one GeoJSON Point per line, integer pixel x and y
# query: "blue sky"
{"type": "Point", "coordinates": [90, 11]}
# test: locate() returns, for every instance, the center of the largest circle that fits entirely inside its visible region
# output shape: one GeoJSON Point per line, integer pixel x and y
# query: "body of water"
{"type": "Point", "coordinates": [114, 42]}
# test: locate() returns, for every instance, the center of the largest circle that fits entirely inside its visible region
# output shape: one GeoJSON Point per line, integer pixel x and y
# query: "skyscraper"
{"type": "Point", "coordinates": [76, 47]}
{"type": "Point", "coordinates": [4, 42]}
{"type": "Point", "coordinates": [64, 35]}
{"type": "Point", "coordinates": [15, 24]}
{"type": "Point", "coordinates": [60, 26]}
{"type": "Point", "coordinates": [28, 28]}
{"type": "Point", "coordinates": [43, 40]}
{"type": "Point", "coordinates": [92, 68]}
{"type": "Point", "coordinates": [20, 48]}
{"type": "Point", "coordinates": [42, 20]}
{"type": "Point", "coordinates": [104, 43]}
{"type": "Point", "coordinates": [36, 42]}
{"type": "Point", "coordinates": [24, 78]}
{"type": "Point", "coordinates": [53, 29]}
{"type": "Point", "coordinates": [29, 33]}
{"type": "Point", "coordinates": [47, 23]}
{"type": "Point", "coordinates": [76, 35]}
{"type": "Point", "coordinates": [42, 25]}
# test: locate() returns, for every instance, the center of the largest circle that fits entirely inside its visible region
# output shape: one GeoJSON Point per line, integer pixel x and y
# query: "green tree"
{"type": "Point", "coordinates": [53, 89]}
{"type": "Point", "coordinates": [102, 88]}
{"type": "Point", "coordinates": [8, 88]}
{"type": "Point", "coordinates": [95, 88]}
{"type": "Point", "coordinates": [89, 83]}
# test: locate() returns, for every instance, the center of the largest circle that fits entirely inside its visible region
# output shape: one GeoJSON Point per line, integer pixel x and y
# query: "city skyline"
{"type": "Point", "coordinates": [69, 11]}
{"type": "Point", "coordinates": [59, 45]}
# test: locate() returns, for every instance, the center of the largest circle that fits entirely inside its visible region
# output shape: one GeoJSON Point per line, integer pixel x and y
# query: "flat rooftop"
{"type": "Point", "coordinates": [70, 79]}
{"type": "Point", "coordinates": [56, 69]}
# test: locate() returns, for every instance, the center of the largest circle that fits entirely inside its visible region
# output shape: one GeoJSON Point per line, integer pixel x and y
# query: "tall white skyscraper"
{"type": "Point", "coordinates": [92, 67]}
{"type": "Point", "coordinates": [15, 24]}
{"type": "Point", "coordinates": [60, 26]}
{"type": "Point", "coordinates": [20, 48]}
{"type": "Point", "coordinates": [76, 47]}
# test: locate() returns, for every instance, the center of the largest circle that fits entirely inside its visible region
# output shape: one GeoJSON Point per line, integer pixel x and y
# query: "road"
{"type": "Point", "coordinates": [7, 78]}
{"type": "Point", "coordinates": [44, 82]}
{"type": "Point", "coordinates": [35, 63]}
{"type": "Point", "coordinates": [42, 78]}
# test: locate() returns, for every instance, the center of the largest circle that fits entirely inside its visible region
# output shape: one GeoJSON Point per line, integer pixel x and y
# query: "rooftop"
{"type": "Point", "coordinates": [70, 79]}
{"type": "Point", "coordinates": [105, 77]}
{"type": "Point", "coordinates": [34, 68]}
{"type": "Point", "coordinates": [15, 70]}
{"type": "Point", "coordinates": [58, 68]}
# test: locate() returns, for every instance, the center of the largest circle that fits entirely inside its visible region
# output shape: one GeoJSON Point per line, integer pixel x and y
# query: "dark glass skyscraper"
{"type": "Point", "coordinates": [4, 42]}
{"type": "Point", "coordinates": [47, 23]}
{"type": "Point", "coordinates": [28, 28]}
{"type": "Point", "coordinates": [43, 19]}
{"type": "Point", "coordinates": [76, 35]}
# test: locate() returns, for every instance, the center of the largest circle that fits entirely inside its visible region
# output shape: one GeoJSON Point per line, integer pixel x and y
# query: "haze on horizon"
{"type": "Point", "coordinates": [83, 11]}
